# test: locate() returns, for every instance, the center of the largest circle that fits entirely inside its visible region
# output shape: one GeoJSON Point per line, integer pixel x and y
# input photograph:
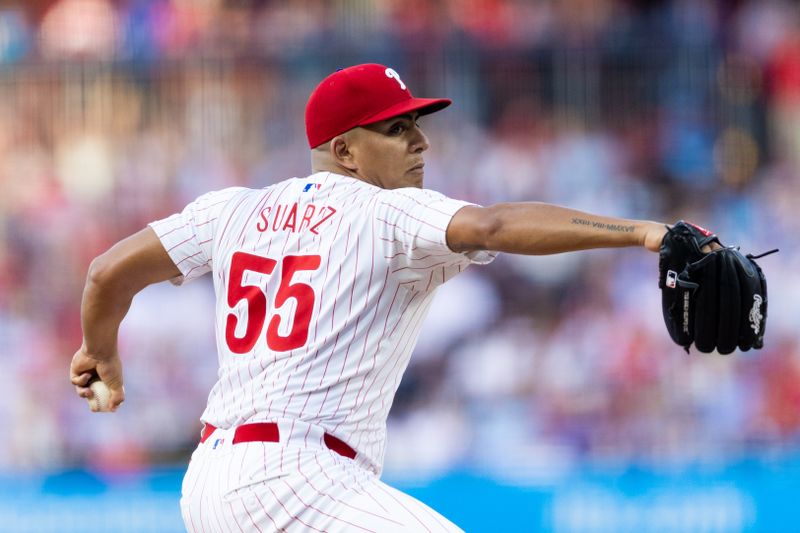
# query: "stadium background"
{"type": "Point", "coordinates": [544, 393]}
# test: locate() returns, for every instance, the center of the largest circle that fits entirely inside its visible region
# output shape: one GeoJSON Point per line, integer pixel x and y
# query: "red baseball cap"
{"type": "Point", "coordinates": [360, 95]}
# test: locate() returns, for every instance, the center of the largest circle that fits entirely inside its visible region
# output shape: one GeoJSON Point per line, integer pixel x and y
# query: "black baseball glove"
{"type": "Point", "coordinates": [718, 300]}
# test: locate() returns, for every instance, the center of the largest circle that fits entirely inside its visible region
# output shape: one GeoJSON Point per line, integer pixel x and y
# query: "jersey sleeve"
{"type": "Point", "coordinates": [413, 229]}
{"type": "Point", "coordinates": [188, 236]}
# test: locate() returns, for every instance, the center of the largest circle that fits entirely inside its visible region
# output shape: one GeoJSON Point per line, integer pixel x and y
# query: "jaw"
{"type": "Point", "coordinates": [416, 177]}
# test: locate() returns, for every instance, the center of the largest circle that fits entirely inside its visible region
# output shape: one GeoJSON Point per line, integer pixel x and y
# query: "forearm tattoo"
{"type": "Point", "coordinates": [603, 225]}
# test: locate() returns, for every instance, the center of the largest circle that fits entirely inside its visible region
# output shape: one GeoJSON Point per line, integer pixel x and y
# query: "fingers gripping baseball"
{"type": "Point", "coordinates": [87, 369]}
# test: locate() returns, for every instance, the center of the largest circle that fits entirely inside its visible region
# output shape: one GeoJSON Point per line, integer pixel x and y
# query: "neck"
{"type": "Point", "coordinates": [321, 162]}
{"type": "Point", "coordinates": [335, 169]}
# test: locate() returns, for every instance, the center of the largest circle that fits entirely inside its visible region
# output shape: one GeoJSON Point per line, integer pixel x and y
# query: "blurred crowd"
{"type": "Point", "coordinates": [117, 113]}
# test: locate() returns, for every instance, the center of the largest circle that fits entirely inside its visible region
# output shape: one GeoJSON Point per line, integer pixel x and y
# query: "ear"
{"type": "Point", "coordinates": [342, 153]}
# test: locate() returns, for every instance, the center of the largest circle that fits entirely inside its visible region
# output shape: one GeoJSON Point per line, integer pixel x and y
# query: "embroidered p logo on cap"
{"type": "Point", "coordinates": [392, 73]}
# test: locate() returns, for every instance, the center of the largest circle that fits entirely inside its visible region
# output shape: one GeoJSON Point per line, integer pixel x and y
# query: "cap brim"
{"type": "Point", "coordinates": [425, 106]}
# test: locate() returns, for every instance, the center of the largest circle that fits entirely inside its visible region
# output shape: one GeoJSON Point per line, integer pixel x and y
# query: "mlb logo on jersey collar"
{"type": "Point", "coordinates": [310, 185]}
{"type": "Point", "coordinates": [217, 442]}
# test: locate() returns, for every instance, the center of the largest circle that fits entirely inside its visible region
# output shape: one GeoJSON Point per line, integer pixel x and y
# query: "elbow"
{"type": "Point", "coordinates": [106, 276]}
{"type": "Point", "coordinates": [490, 229]}
{"type": "Point", "coordinates": [101, 272]}
{"type": "Point", "coordinates": [475, 228]}
{"type": "Point", "coordinates": [483, 231]}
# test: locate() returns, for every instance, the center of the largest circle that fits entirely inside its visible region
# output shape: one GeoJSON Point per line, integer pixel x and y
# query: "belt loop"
{"type": "Point", "coordinates": [208, 429]}
{"type": "Point", "coordinates": [339, 446]}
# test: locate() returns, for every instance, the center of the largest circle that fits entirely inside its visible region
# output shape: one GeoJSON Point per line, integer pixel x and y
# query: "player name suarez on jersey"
{"type": "Point", "coordinates": [287, 217]}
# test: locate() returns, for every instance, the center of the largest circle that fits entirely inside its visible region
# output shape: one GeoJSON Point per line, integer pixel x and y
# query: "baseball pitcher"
{"type": "Point", "coordinates": [322, 283]}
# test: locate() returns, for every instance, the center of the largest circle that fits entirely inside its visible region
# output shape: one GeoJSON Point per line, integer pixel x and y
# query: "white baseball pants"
{"type": "Point", "coordinates": [297, 485]}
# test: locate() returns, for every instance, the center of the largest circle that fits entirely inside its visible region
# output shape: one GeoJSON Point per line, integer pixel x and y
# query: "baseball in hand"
{"type": "Point", "coordinates": [101, 396]}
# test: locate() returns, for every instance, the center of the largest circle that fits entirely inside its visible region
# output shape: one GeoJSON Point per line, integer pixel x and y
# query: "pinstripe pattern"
{"type": "Point", "coordinates": [296, 486]}
{"type": "Point", "coordinates": [382, 253]}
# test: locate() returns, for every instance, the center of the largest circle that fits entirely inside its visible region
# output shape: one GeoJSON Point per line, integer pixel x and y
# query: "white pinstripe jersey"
{"type": "Point", "coordinates": [322, 284]}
